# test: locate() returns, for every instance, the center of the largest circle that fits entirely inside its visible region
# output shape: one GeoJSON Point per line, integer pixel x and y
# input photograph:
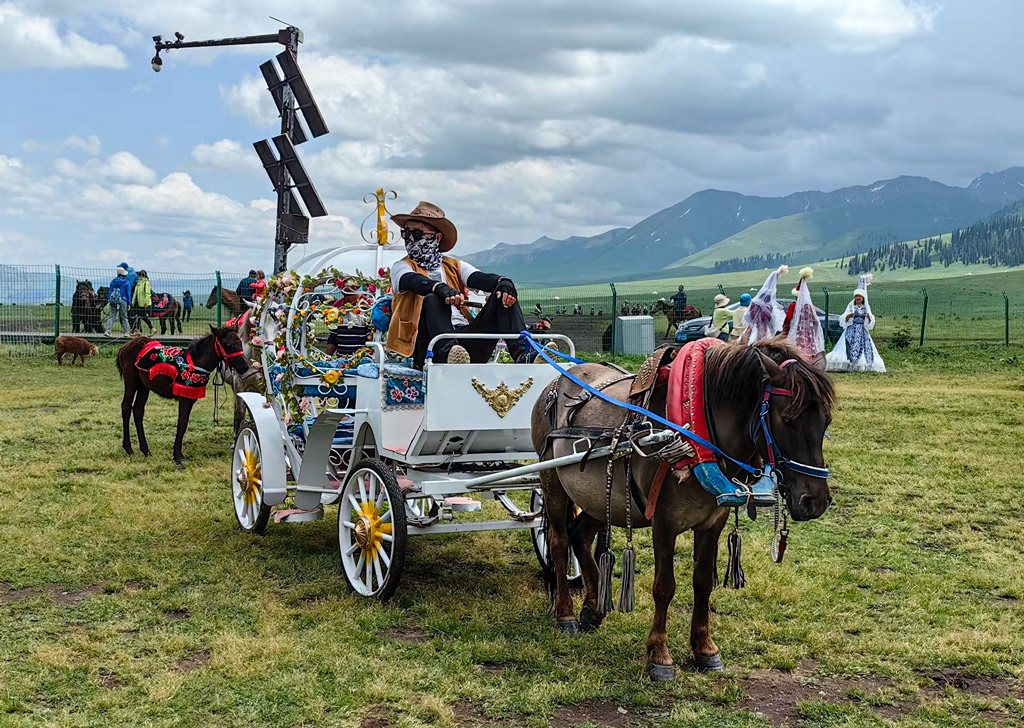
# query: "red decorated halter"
{"type": "Point", "coordinates": [221, 352]}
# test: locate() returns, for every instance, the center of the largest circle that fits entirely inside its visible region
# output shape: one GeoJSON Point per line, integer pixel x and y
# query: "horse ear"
{"type": "Point", "coordinates": [768, 365]}
{"type": "Point", "coordinates": [213, 329]}
{"type": "Point", "coordinates": [250, 304]}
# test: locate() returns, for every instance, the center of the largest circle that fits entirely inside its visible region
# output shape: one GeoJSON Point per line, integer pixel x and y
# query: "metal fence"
{"type": "Point", "coordinates": [37, 303]}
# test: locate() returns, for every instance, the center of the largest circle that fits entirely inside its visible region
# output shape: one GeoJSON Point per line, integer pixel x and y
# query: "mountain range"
{"type": "Point", "coordinates": [710, 226]}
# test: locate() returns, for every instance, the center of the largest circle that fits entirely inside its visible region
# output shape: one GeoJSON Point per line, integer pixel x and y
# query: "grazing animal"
{"type": "Point", "coordinates": [735, 381]}
{"type": "Point", "coordinates": [85, 309]}
{"type": "Point", "coordinates": [76, 346]}
{"type": "Point", "coordinates": [174, 374]}
{"type": "Point", "coordinates": [674, 315]}
{"type": "Point", "coordinates": [228, 298]}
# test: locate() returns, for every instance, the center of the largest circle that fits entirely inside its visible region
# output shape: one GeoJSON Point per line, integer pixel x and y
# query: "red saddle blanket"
{"type": "Point", "coordinates": [188, 380]}
{"type": "Point", "coordinates": [685, 397]}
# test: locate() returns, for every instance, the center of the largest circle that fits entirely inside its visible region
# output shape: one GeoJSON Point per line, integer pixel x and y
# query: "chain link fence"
{"type": "Point", "coordinates": [38, 303]}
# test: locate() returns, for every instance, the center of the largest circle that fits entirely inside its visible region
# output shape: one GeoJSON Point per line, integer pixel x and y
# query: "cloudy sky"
{"type": "Point", "coordinates": [537, 117]}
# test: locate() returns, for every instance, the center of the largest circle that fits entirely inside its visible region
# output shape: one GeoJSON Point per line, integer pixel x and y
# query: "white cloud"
{"type": "Point", "coordinates": [120, 167]}
{"type": "Point", "coordinates": [226, 154]}
{"type": "Point", "coordinates": [89, 145]}
{"type": "Point", "coordinates": [34, 41]}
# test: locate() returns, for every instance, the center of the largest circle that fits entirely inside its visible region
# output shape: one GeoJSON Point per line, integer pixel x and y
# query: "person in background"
{"type": "Point", "coordinates": [187, 303]}
{"type": "Point", "coordinates": [244, 288]}
{"type": "Point", "coordinates": [738, 327]}
{"type": "Point", "coordinates": [261, 276]}
{"type": "Point", "coordinates": [142, 300]}
{"type": "Point", "coordinates": [679, 299]}
{"type": "Point", "coordinates": [117, 297]}
{"type": "Point", "coordinates": [802, 326]}
{"type": "Point", "coordinates": [855, 351]}
{"type": "Point", "coordinates": [764, 317]}
{"type": "Point", "coordinates": [721, 319]}
{"type": "Point", "coordinates": [350, 335]}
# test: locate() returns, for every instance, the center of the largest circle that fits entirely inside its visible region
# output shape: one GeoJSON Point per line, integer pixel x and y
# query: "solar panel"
{"type": "Point", "coordinates": [304, 97]}
{"type": "Point", "coordinates": [270, 163]}
{"type": "Point", "coordinates": [300, 179]}
{"type": "Point", "coordinates": [275, 84]}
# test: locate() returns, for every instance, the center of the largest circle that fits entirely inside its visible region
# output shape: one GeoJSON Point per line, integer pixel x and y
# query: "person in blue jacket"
{"type": "Point", "coordinates": [132, 278]}
{"type": "Point", "coordinates": [118, 297]}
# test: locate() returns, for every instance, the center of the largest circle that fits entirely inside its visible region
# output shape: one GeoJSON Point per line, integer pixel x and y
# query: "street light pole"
{"type": "Point", "coordinates": [290, 38]}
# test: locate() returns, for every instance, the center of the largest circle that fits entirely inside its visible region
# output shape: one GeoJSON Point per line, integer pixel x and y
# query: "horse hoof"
{"type": "Point", "coordinates": [708, 663]}
{"type": "Point", "coordinates": [589, 621]}
{"type": "Point", "coordinates": [145, 453]}
{"type": "Point", "coordinates": [179, 464]}
{"type": "Point", "coordinates": [569, 626]}
{"type": "Point", "coordinates": [661, 673]}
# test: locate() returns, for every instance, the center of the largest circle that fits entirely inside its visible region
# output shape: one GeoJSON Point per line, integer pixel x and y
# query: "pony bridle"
{"type": "Point", "coordinates": [222, 352]}
{"type": "Point", "coordinates": [776, 459]}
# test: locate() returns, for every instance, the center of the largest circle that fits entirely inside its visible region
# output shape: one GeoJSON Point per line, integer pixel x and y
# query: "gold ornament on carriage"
{"type": "Point", "coordinates": [502, 399]}
{"type": "Point", "coordinates": [380, 234]}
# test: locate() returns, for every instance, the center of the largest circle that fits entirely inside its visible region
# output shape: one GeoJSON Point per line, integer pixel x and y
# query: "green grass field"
{"type": "Point", "coordinates": [128, 596]}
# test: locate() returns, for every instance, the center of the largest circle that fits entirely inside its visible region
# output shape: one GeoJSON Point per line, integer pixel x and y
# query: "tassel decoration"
{"type": "Point", "coordinates": [627, 596]}
{"type": "Point", "coordinates": [734, 576]}
{"type": "Point", "coordinates": [604, 583]}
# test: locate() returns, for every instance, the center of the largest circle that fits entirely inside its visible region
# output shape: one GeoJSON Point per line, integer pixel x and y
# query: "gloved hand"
{"type": "Point", "coordinates": [449, 295]}
{"type": "Point", "coordinates": [506, 292]}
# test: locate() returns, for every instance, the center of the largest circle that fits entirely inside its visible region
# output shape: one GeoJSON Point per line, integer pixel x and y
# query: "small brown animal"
{"type": "Point", "coordinates": [76, 346]}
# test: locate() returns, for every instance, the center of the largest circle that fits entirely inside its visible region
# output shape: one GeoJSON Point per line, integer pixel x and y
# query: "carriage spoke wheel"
{"type": "Point", "coordinates": [371, 530]}
{"type": "Point", "coordinates": [247, 483]}
{"type": "Point", "coordinates": [540, 543]}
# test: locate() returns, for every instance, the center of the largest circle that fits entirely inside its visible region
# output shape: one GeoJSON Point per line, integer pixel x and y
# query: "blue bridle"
{"type": "Point", "coordinates": [775, 457]}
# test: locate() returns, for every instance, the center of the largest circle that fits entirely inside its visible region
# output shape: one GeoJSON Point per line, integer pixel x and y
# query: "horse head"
{"type": "Point", "coordinates": [228, 345]}
{"type": "Point", "coordinates": [801, 398]}
{"type": "Point", "coordinates": [212, 300]}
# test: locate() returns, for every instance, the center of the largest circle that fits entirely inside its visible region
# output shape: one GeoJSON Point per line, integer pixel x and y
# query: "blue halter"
{"type": "Point", "coordinates": [775, 457]}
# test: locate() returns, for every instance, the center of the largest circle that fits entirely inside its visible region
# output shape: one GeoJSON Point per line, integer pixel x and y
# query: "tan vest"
{"type": "Point", "coordinates": [406, 307]}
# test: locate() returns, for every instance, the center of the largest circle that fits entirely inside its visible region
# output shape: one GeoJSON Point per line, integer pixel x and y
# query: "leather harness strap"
{"type": "Point", "coordinates": [652, 496]}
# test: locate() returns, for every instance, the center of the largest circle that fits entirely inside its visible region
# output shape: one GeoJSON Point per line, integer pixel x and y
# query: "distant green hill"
{"type": "Point", "coordinates": [713, 225]}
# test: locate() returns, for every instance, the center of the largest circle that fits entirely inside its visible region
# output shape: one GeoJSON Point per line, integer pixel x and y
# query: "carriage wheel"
{"type": "Point", "coordinates": [540, 543]}
{"type": "Point", "coordinates": [371, 530]}
{"type": "Point", "coordinates": [247, 483]}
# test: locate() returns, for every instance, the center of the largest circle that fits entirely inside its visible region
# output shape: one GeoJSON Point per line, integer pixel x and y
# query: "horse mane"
{"type": "Point", "coordinates": [737, 372]}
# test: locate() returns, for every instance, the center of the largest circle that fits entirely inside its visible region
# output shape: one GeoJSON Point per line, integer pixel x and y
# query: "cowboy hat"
{"type": "Point", "coordinates": [434, 216]}
{"type": "Point", "coordinates": [721, 301]}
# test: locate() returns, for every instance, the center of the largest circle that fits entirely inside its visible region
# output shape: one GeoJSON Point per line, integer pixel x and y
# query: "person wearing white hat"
{"type": "Point", "coordinates": [855, 351]}
{"type": "Point", "coordinates": [721, 319]}
{"type": "Point", "coordinates": [802, 326]}
{"type": "Point", "coordinates": [764, 317]}
{"type": "Point", "coordinates": [431, 293]}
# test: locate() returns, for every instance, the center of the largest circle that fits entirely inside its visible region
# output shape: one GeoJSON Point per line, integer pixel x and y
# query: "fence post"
{"type": "Point", "coordinates": [825, 291]}
{"type": "Point", "coordinates": [218, 300]}
{"type": "Point", "coordinates": [56, 304]}
{"type": "Point", "coordinates": [924, 314]}
{"type": "Point", "coordinates": [720, 289]}
{"type": "Point", "coordinates": [1006, 308]}
{"type": "Point", "coordinates": [615, 315]}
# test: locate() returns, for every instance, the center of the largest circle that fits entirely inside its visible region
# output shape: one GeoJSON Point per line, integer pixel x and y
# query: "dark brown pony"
{"type": "Point", "coordinates": [229, 299]}
{"type": "Point", "coordinates": [674, 315]}
{"type": "Point", "coordinates": [735, 379]}
{"type": "Point", "coordinates": [207, 352]}
{"type": "Point", "coordinates": [85, 309]}
{"type": "Point", "coordinates": [165, 308]}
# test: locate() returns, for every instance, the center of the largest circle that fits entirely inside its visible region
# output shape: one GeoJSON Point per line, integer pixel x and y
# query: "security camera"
{"type": "Point", "coordinates": [157, 38]}
{"type": "Point", "coordinates": [179, 36]}
{"type": "Point", "coordinates": [157, 63]}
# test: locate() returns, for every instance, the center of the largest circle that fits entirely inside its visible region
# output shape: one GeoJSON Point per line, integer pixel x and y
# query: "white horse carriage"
{"type": "Point", "coordinates": [401, 452]}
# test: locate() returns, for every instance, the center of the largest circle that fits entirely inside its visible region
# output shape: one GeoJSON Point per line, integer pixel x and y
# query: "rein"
{"type": "Point", "coordinates": [222, 353]}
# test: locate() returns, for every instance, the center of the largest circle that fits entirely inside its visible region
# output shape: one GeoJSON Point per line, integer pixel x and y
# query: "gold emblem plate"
{"type": "Point", "coordinates": [502, 399]}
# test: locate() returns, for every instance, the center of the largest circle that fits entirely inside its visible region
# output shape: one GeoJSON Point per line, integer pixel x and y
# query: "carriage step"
{"type": "Point", "coordinates": [461, 503]}
{"type": "Point", "coordinates": [298, 515]}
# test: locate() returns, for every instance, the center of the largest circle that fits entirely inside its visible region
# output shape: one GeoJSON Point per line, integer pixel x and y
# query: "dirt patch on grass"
{"type": "Point", "coordinates": [48, 410]}
{"type": "Point", "coordinates": [980, 686]}
{"type": "Point", "coordinates": [193, 660]}
{"type": "Point", "coordinates": [592, 712]}
{"type": "Point", "coordinates": [385, 720]}
{"type": "Point", "coordinates": [413, 635]}
{"type": "Point", "coordinates": [61, 596]}
{"type": "Point", "coordinates": [177, 615]}
{"type": "Point", "coordinates": [776, 693]}
{"type": "Point", "coordinates": [110, 680]}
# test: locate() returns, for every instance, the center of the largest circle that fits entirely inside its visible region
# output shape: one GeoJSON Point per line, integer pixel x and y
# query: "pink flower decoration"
{"type": "Point", "coordinates": [396, 394]}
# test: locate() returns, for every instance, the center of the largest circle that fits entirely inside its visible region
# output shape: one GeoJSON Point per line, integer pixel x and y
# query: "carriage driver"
{"type": "Point", "coordinates": [430, 296]}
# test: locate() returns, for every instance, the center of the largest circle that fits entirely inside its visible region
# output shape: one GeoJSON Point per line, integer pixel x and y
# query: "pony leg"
{"type": "Point", "coordinates": [184, 412]}
{"type": "Point", "coordinates": [582, 531]}
{"type": "Point", "coordinates": [126, 411]}
{"type": "Point", "coordinates": [706, 655]}
{"type": "Point", "coordinates": [659, 660]}
{"type": "Point", "coordinates": [139, 411]}
{"type": "Point", "coordinates": [60, 358]}
{"type": "Point", "coordinates": [556, 510]}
